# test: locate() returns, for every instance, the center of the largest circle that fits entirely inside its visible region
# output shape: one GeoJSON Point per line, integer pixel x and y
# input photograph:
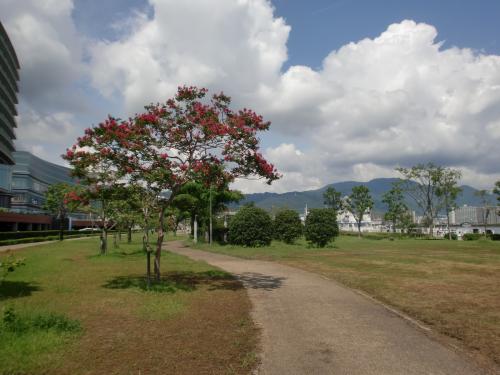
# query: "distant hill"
{"type": "Point", "coordinates": [297, 200]}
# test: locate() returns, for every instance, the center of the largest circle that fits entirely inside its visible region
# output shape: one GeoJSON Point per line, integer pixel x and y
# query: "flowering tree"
{"type": "Point", "coordinates": [61, 199]}
{"type": "Point", "coordinates": [188, 138]}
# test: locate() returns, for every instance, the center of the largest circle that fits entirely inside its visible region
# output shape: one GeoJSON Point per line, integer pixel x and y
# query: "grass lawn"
{"type": "Point", "coordinates": [195, 322]}
{"type": "Point", "coordinates": [452, 286]}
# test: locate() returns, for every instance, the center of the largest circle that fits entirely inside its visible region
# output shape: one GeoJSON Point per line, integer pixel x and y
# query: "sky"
{"type": "Point", "coordinates": [353, 88]}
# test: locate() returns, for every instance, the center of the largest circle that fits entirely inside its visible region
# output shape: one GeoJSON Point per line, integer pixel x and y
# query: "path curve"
{"type": "Point", "coordinates": [312, 325]}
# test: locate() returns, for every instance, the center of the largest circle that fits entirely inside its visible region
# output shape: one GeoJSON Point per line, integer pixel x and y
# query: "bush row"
{"type": "Point", "coordinates": [253, 227]}
{"type": "Point", "coordinates": [477, 236]}
{"type": "Point", "coordinates": [42, 239]}
{"type": "Point", "coordinates": [36, 233]}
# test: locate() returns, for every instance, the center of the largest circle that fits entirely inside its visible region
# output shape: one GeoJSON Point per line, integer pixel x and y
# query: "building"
{"type": "Point", "coordinates": [475, 215]}
{"type": "Point", "coordinates": [31, 176]}
{"type": "Point", "coordinates": [24, 178]}
{"type": "Point", "coordinates": [9, 76]}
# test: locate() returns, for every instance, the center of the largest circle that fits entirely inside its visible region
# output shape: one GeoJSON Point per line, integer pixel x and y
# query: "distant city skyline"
{"type": "Point", "coordinates": [353, 88]}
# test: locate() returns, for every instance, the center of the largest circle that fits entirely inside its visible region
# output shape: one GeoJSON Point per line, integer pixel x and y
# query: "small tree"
{"type": "Point", "coordinates": [485, 202]}
{"type": "Point", "coordinates": [407, 224]}
{"type": "Point", "coordinates": [333, 199]}
{"type": "Point", "coordinates": [251, 226]}
{"type": "Point", "coordinates": [396, 206]}
{"type": "Point", "coordinates": [188, 138]}
{"type": "Point", "coordinates": [8, 264]}
{"type": "Point", "coordinates": [359, 203]}
{"type": "Point", "coordinates": [496, 190]}
{"type": "Point", "coordinates": [60, 200]}
{"type": "Point", "coordinates": [287, 226]}
{"type": "Point", "coordinates": [125, 209]}
{"type": "Point", "coordinates": [195, 198]}
{"type": "Point", "coordinates": [421, 182]}
{"type": "Point", "coordinates": [448, 191]}
{"type": "Point", "coordinates": [321, 226]}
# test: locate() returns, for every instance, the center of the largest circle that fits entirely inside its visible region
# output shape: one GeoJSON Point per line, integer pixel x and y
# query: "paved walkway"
{"type": "Point", "coordinates": [311, 325]}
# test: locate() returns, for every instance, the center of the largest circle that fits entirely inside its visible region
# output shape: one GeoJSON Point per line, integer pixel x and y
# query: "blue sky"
{"type": "Point", "coordinates": [318, 26]}
{"type": "Point", "coordinates": [322, 25]}
{"type": "Point", "coordinates": [353, 88]}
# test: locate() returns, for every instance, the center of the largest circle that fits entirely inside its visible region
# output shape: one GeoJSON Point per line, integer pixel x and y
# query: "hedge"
{"type": "Point", "coordinates": [42, 239]}
{"type": "Point", "coordinates": [471, 236]}
{"type": "Point", "coordinates": [38, 233]}
{"type": "Point", "coordinates": [376, 235]}
{"type": "Point", "coordinates": [495, 237]}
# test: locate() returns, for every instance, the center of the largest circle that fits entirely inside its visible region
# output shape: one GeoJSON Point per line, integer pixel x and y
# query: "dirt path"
{"type": "Point", "coordinates": [311, 325]}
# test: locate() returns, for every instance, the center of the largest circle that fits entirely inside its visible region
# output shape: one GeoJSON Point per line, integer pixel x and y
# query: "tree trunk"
{"type": "Point", "coordinates": [448, 220]}
{"type": "Point", "coordinates": [104, 241]}
{"type": "Point", "coordinates": [159, 243]}
{"type": "Point", "coordinates": [192, 225]}
{"type": "Point", "coordinates": [359, 228]}
{"type": "Point", "coordinates": [176, 226]}
{"type": "Point", "coordinates": [148, 266]}
{"type": "Point", "coordinates": [145, 236]}
{"type": "Point", "coordinates": [129, 234]}
{"type": "Point", "coordinates": [394, 226]}
{"type": "Point", "coordinates": [119, 234]}
{"type": "Point", "coordinates": [61, 228]}
{"type": "Point", "coordinates": [145, 240]}
{"type": "Point", "coordinates": [115, 241]}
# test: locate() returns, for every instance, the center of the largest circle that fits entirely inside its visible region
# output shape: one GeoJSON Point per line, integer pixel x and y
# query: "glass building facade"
{"type": "Point", "coordinates": [31, 176]}
{"type": "Point", "coordinates": [9, 76]}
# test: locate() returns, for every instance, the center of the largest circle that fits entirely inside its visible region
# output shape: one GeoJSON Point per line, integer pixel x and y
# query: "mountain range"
{"type": "Point", "coordinates": [297, 200]}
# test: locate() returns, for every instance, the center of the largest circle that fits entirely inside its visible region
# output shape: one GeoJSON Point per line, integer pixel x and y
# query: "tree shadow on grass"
{"type": "Point", "coordinates": [173, 282]}
{"type": "Point", "coordinates": [118, 254]}
{"type": "Point", "coordinates": [15, 289]}
{"type": "Point", "coordinates": [256, 280]}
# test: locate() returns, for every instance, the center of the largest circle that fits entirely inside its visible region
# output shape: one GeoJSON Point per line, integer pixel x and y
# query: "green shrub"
{"type": "Point", "coordinates": [453, 236]}
{"type": "Point", "coordinates": [495, 237]}
{"type": "Point", "coordinates": [251, 226]}
{"type": "Point", "coordinates": [219, 232]}
{"type": "Point", "coordinates": [321, 226]}
{"type": "Point", "coordinates": [19, 324]}
{"type": "Point", "coordinates": [287, 226]}
{"type": "Point", "coordinates": [471, 236]}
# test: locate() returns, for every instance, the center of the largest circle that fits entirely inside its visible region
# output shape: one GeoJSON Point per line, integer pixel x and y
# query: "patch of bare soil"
{"type": "Point", "coordinates": [215, 335]}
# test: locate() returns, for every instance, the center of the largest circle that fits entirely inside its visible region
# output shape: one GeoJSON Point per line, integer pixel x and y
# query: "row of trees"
{"type": "Point", "coordinates": [253, 227]}
{"type": "Point", "coordinates": [358, 203]}
{"type": "Point", "coordinates": [165, 162]}
{"type": "Point", "coordinates": [433, 188]}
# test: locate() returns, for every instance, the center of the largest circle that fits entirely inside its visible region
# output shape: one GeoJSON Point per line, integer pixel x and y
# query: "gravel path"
{"type": "Point", "coordinates": [312, 325]}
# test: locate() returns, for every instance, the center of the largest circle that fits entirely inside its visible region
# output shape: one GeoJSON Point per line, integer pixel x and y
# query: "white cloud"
{"type": "Point", "coordinates": [302, 171]}
{"type": "Point", "coordinates": [47, 136]}
{"type": "Point", "coordinates": [237, 46]}
{"type": "Point", "coordinates": [398, 99]}
{"type": "Point", "coordinates": [49, 50]}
